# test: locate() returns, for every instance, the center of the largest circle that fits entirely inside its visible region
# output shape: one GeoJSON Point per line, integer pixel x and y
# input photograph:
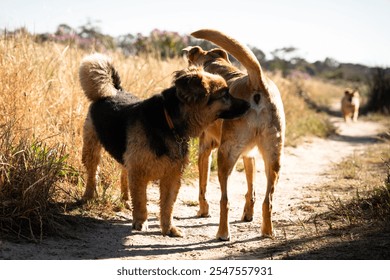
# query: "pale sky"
{"type": "Point", "coordinates": [356, 31]}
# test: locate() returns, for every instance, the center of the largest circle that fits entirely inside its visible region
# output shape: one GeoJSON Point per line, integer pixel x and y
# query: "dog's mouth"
{"type": "Point", "coordinates": [237, 109]}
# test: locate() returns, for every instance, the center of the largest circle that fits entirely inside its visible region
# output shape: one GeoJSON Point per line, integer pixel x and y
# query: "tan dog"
{"type": "Point", "coordinates": [149, 137]}
{"type": "Point", "coordinates": [262, 127]}
{"type": "Point", "coordinates": [350, 105]}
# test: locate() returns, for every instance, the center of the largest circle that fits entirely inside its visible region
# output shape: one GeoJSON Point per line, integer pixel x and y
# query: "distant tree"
{"type": "Point", "coordinates": [283, 53]}
{"type": "Point", "coordinates": [282, 60]}
{"type": "Point", "coordinates": [64, 29]}
{"type": "Point", "coordinates": [260, 55]}
{"type": "Point", "coordinates": [279, 61]}
{"type": "Point", "coordinates": [329, 69]}
{"type": "Point", "coordinates": [332, 63]}
{"type": "Point", "coordinates": [91, 32]}
{"type": "Point", "coordinates": [127, 44]}
{"type": "Point", "coordinates": [64, 34]}
{"type": "Point", "coordinates": [168, 44]}
{"type": "Point", "coordinates": [141, 44]}
{"type": "Point", "coordinates": [165, 44]}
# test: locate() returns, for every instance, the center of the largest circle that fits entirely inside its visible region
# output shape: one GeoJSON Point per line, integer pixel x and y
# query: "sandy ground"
{"type": "Point", "coordinates": [297, 198]}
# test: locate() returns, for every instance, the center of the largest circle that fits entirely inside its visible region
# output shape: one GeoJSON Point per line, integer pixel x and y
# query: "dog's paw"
{"type": "Point", "coordinates": [202, 214]}
{"type": "Point", "coordinates": [223, 236]}
{"type": "Point", "coordinates": [247, 217]}
{"type": "Point", "coordinates": [174, 232]}
{"type": "Point", "coordinates": [127, 204]}
{"type": "Point", "coordinates": [87, 197]}
{"type": "Point", "coordinates": [203, 211]}
{"type": "Point", "coordinates": [141, 226]}
{"type": "Point", "coordinates": [267, 233]}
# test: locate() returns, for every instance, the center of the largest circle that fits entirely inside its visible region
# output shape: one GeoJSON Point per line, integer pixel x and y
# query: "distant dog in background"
{"type": "Point", "coordinates": [149, 138]}
{"type": "Point", "coordinates": [350, 104]}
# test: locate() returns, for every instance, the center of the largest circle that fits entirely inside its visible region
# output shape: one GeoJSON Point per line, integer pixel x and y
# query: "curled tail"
{"type": "Point", "coordinates": [243, 54]}
{"type": "Point", "coordinates": [98, 77]}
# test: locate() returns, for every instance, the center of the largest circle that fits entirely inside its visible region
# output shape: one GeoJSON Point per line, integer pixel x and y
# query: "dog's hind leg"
{"type": "Point", "coordinates": [125, 188]}
{"type": "Point", "coordinates": [90, 158]}
{"type": "Point", "coordinates": [355, 115]}
{"type": "Point", "coordinates": [250, 197]}
{"type": "Point", "coordinates": [169, 189]}
{"type": "Point", "coordinates": [272, 164]}
{"type": "Point", "coordinates": [204, 169]}
{"type": "Point", "coordinates": [206, 146]}
{"type": "Point", "coordinates": [272, 178]}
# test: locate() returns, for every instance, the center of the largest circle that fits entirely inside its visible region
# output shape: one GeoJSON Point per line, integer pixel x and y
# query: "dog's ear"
{"type": "Point", "coordinates": [192, 52]}
{"type": "Point", "coordinates": [190, 87]}
{"type": "Point", "coordinates": [221, 53]}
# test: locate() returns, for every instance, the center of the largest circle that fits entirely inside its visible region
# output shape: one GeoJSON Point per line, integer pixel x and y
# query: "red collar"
{"type": "Point", "coordinates": [169, 120]}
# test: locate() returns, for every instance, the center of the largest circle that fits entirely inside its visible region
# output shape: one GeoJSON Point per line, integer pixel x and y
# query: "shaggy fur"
{"type": "Point", "coordinates": [350, 105]}
{"type": "Point", "coordinates": [262, 127]}
{"type": "Point", "coordinates": [149, 138]}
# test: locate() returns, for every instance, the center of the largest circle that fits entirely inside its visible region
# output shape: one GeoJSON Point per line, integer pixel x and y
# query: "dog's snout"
{"type": "Point", "coordinates": [238, 108]}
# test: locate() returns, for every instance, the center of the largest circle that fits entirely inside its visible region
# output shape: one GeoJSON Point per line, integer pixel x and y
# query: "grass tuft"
{"type": "Point", "coordinates": [29, 176]}
{"type": "Point", "coordinates": [367, 176]}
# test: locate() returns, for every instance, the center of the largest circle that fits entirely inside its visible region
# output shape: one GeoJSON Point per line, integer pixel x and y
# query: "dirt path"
{"type": "Point", "coordinates": [297, 197]}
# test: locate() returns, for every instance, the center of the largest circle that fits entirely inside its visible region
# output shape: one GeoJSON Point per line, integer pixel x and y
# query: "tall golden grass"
{"type": "Point", "coordinates": [42, 102]}
{"type": "Point", "coordinates": [41, 96]}
{"type": "Point", "coordinates": [43, 109]}
{"type": "Point", "coordinates": [301, 120]}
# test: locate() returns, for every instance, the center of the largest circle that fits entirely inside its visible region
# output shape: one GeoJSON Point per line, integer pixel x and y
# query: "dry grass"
{"type": "Point", "coordinates": [323, 93]}
{"type": "Point", "coordinates": [29, 176]}
{"type": "Point", "coordinates": [301, 121]}
{"type": "Point", "coordinates": [367, 177]}
{"type": "Point", "coordinates": [41, 94]}
{"type": "Point", "coordinates": [355, 220]}
{"type": "Point", "coordinates": [43, 109]}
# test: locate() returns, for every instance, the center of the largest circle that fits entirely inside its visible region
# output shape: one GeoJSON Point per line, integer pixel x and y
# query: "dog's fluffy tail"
{"type": "Point", "coordinates": [243, 54]}
{"type": "Point", "coordinates": [98, 77]}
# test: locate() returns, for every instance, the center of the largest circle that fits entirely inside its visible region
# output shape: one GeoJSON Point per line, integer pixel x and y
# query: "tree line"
{"type": "Point", "coordinates": [168, 44]}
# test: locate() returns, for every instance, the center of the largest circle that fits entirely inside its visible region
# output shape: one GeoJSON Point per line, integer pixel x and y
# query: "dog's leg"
{"type": "Point", "coordinates": [355, 115]}
{"type": "Point", "coordinates": [228, 154]}
{"type": "Point", "coordinates": [169, 189]}
{"type": "Point", "coordinates": [90, 158]}
{"type": "Point", "coordinates": [125, 188]}
{"type": "Point", "coordinates": [204, 169]}
{"type": "Point", "coordinates": [266, 226]}
{"type": "Point", "coordinates": [272, 157]}
{"type": "Point", "coordinates": [137, 186]}
{"type": "Point", "coordinates": [250, 198]}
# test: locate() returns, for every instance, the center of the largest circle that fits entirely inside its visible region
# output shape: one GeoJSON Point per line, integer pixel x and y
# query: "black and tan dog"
{"type": "Point", "coordinates": [149, 137]}
{"type": "Point", "coordinates": [262, 127]}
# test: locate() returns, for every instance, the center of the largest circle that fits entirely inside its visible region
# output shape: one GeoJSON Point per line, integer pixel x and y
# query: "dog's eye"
{"type": "Point", "coordinates": [226, 94]}
{"type": "Point", "coordinates": [222, 94]}
{"type": "Point", "coordinates": [219, 95]}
